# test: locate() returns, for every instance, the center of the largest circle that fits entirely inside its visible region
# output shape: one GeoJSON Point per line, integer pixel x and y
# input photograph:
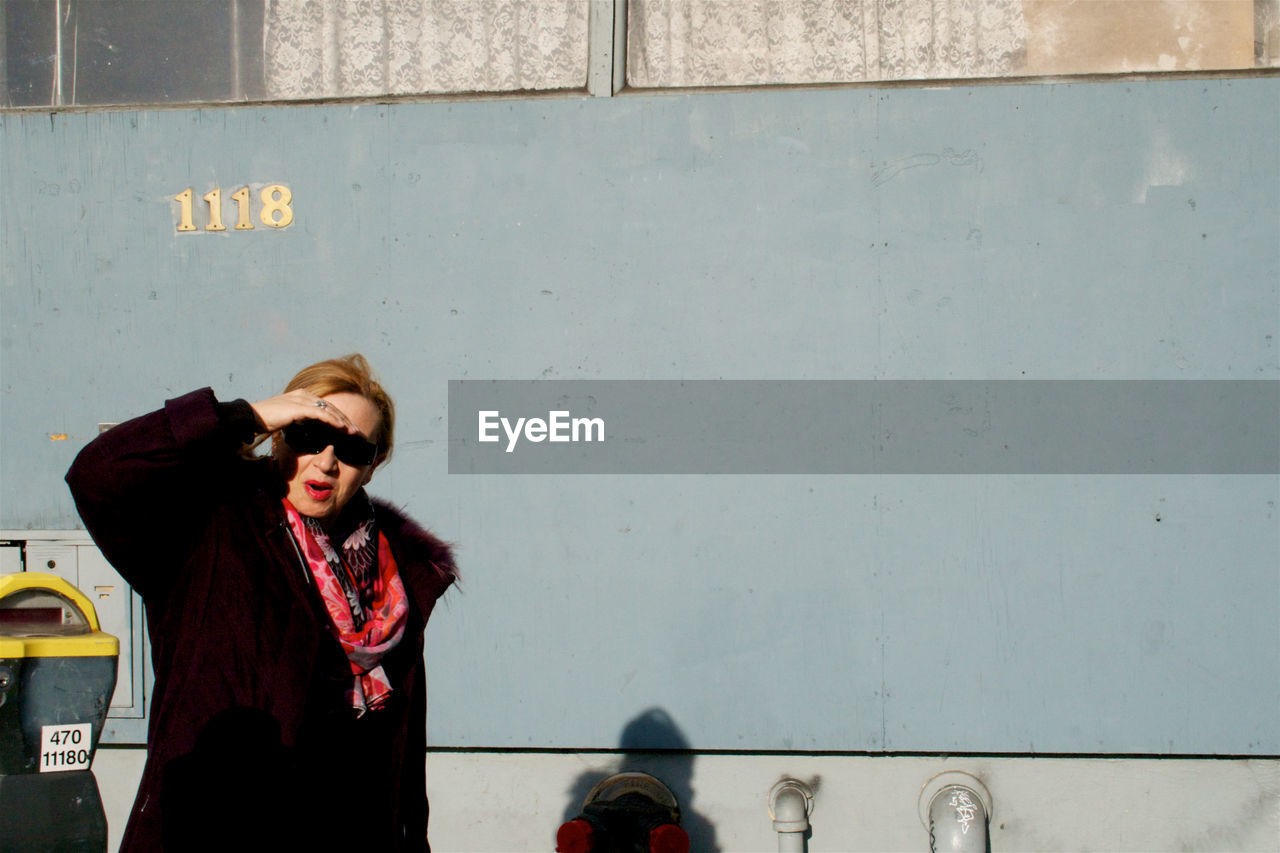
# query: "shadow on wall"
{"type": "Point", "coordinates": [652, 743]}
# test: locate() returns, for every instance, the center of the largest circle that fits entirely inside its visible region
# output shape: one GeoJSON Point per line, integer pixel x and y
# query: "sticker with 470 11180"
{"type": "Point", "coordinates": [65, 747]}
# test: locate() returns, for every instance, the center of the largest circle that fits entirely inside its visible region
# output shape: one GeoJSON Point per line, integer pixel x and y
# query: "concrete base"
{"type": "Point", "coordinates": [507, 802]}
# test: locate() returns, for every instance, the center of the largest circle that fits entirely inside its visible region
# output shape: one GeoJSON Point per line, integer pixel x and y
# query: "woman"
{"type": "Point", "coordinates": [286, 613]}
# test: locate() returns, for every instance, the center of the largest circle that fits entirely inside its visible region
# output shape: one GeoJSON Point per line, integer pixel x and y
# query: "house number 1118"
{"type": "Point", "coordinates": [276, 209]}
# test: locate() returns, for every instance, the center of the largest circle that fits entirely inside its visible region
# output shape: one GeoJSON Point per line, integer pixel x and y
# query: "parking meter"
{"type": "Point", "coordinates": [57, 674]}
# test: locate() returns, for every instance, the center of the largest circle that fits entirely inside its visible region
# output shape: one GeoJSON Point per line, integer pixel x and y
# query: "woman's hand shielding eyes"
{"type": "Point", "coordinates": [278, 412]}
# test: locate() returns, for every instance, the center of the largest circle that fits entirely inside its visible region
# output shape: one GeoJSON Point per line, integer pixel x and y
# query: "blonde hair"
{"type": "Point", "coordinates": [351, 374]}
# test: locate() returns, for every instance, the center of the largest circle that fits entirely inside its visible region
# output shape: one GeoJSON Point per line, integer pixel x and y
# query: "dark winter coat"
{"type": "Point", "coordinates": [251, 744]}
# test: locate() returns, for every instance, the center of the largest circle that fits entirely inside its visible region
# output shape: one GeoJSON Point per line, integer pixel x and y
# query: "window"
{"type": "Point", "coordinates": [761, 42]}
{"type": "Point", "coordinates": [318, 49]}
{"type": "Point", "coordinates": [60, 52]}
{"type": "Point", "coordinates": [68, 52]}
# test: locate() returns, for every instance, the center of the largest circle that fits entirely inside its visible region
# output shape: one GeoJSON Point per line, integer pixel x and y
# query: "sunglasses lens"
{"type": "Point", "coordinates": [310, 437]}
{"type": "Point", "coordinates": [305, 438]}
{"type": "Point", "coordinates": [356, 451]}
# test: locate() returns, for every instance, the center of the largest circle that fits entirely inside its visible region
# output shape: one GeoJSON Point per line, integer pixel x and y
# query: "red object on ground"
{"type": "Point", "coordinates": [668, 838]}
{"type": "Point", "coordinates": [576, 836]}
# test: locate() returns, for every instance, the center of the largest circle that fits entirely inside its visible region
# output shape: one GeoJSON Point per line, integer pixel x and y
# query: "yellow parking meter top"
{"type": "Point", "coordinates": [41, 615]}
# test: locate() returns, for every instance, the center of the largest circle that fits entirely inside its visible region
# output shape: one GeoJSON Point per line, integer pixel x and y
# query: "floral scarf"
{"type": "Point", "coordinates": [362, 592]}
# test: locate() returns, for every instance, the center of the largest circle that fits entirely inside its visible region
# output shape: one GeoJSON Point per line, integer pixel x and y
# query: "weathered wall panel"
{"type": "Point", "coordinates": [1089, 231]}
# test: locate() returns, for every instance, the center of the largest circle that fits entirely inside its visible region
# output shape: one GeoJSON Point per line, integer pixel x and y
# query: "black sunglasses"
{"type": "Point", "coordinates": [313, 437]}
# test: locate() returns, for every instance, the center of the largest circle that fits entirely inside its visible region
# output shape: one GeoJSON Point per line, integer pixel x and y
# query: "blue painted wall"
{"type": "Point", "coordinates": [1085, 231]}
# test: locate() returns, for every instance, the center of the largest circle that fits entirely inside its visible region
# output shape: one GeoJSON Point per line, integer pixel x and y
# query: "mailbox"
{"type": "Point", "coordinates": [57, 673]}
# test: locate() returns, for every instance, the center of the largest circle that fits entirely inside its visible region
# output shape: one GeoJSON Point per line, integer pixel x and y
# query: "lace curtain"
{"type": "Point", "coordinates": [746, 42]}
{"type": "Point", "coordinates": [333, 48]}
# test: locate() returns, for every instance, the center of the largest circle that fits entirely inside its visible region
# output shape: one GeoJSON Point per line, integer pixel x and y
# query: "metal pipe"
{"type": "Point", "coordinates": [957, 822]}
{"type": "Point", "coordinates": [790, 804]}
{"type": "Point", "coordinates": [956, 809]}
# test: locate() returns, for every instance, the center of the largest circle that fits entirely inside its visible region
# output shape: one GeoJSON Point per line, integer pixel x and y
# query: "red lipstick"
{"type": "Point", "coordinates": [317, 490]}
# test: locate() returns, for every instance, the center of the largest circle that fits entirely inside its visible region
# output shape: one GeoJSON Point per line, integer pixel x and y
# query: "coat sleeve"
{"type": "Point", "coordinates": [144, 488]}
